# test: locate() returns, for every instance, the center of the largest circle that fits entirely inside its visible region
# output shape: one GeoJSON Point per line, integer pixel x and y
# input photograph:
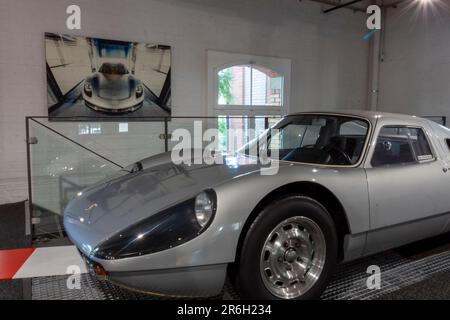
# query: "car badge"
{"type": "Point", "coordinates": [92, 206]}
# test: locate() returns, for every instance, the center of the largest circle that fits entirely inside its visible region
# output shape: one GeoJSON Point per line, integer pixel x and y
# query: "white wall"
{"type": "Point", "coordinates": [415, 76]}
{"type": "Point", "coordinates": [329, 58]}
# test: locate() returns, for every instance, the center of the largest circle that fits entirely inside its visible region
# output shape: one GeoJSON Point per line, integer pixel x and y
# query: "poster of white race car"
{"type": "Point", "coordinates": [92, 77]}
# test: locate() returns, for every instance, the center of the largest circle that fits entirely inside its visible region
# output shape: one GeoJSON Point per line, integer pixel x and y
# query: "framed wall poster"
{"type": "Point", "coordinates": [93, 77]}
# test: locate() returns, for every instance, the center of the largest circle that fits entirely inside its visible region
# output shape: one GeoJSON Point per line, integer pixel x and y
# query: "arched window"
{"type": "Point", "coordinates": [246, 92]}
{"type": "Point", "coordinates": [249, 85]}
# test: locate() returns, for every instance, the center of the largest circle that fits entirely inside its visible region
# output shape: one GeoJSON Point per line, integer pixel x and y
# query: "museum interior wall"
{"type": "Point", "coordinates": [417, 55]}
{"type": "Point", "coordinates": [327, 53]}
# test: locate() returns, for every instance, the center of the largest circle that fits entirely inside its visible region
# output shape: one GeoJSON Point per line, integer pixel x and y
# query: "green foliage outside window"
{"type": "Point", "coordinates": [223, 130]}
{"type": "Point", "coordinates": [225, 78]}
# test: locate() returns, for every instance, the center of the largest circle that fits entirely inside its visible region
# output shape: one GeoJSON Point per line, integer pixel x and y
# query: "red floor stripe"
{"type": "Point", "coordinates": [12, 260]}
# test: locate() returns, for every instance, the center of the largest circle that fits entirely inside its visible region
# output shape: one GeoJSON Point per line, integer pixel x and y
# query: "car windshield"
{"type": "Point", "coordinates": [113, 68]}
{"type": "Point", "coordinates": [316, 139]}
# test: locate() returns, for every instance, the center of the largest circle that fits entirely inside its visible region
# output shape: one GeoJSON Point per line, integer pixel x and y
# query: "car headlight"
{"type": "Point", "coordinates": [139, 91]}
{"type": "Point", "coordinates": [88, 89]}
{"type": "Point", "coordinates": [204, 208]}
{"type": "Point", "coordinates": [164, 230]}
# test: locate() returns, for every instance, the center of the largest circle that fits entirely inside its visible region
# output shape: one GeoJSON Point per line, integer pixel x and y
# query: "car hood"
{"type": "Point", "coordinates": [114, 87]}
{"type": "Point", "coordinates": [112, 205]}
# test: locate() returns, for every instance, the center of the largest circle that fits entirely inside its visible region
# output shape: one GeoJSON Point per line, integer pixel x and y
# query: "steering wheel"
{"type": "Point", "coordinates": [338, 154]}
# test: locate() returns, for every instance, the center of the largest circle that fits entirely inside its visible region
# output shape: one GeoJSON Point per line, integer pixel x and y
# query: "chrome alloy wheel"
{"type": "Point", "coordinates": [293, 257]}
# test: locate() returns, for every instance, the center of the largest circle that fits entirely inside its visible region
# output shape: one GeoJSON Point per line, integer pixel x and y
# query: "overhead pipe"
{"type": "Point", "coordinates": [349, 5]}
{"type": "Point", "coordinates": [394, 4]}
{"type": "Point", "coordinates": [333, 3]}
{"type": "Point", "coordinates": [343, 5]}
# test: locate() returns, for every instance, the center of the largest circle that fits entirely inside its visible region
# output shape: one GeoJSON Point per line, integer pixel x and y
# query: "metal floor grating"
{"type": "Point", "coordinates": [348, 283]}
{"type": "Point", "coordinates": [396, 272]}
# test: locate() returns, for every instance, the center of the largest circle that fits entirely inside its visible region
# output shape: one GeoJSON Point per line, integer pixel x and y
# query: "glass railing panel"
{"type": "Point", "coordinates": [70, 156]}
{"type": "Point", "coordinates": [191, 126]}
{"type": "Point", "coordinates": [120, 141]}
{"type": "Point", "coordinates": [59, 170]}
{"type": "Point", "coordinates": [232, 132]}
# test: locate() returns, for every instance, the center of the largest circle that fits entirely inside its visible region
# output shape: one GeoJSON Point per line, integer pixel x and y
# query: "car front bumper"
{"type": "Point", "coordinates": [199, 281]}
{"type": "Point", "coordinates": [114, 109]}
{"type": "Point", "coordinates": [113, 106]}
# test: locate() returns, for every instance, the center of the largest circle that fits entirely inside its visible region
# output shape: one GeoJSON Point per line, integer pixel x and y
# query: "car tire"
{"type": "Point", "coordinates": [304, 229]}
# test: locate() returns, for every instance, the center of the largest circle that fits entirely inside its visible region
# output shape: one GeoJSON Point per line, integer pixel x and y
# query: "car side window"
{"type": "Point", "coordinates": [447, 141]}
{"type": "Point", "coordinates": [420, 144]}
{"type": "Point", "coordinates": [401, 145]}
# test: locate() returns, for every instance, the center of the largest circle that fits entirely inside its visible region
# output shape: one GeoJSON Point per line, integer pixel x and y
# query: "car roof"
{"type": "Point", "coordinates": [368, 114]}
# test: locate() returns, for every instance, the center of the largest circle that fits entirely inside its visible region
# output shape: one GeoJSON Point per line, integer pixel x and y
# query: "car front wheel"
{"type": "Point", "coordinates": [289, 252]}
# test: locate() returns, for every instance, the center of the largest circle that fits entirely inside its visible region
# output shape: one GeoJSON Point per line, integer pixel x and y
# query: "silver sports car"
{"type": "Point", "coordinates": [349, 184]}
{"type": "Point", "coordinates": [113, 89]}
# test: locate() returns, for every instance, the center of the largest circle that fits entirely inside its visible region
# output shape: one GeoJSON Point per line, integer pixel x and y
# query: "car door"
{"type": "Point", "coordinates": [407, 187]}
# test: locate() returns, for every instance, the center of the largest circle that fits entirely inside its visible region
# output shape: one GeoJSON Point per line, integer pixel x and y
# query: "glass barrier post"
{"type": "Point", "coordinates": [28, 221]}
{"type": "Point", "coordinates": [166, 135]}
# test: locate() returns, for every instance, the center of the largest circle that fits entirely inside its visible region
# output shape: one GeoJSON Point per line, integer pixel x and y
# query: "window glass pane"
{"type": "Point", "coordinates": [352, 128]}
{"type": "Point", "coordinates": [96, 128]}
{"type": "Point", "coordinates": [234, 85]}
{"type": "Point", "coordinates": [234, 132]}
{"type": "Point", "coordinates": [260, 126]}
{"type": "Point", "coordinates": [259, 88]}
{"type": "Point", "coordinates": [420, 144]}
{"type": "Point", "coordinates": [295, 136]}
{"type": "Point", "coordinates": [318, 139]}
{"type": "Point", "coordinates": [249, 86]}
{"type": "Point", "coordinates": [83, 129]}
{"type": "Point", "coordinates": [123, 127]}
{"type": "Point", "coordinates": [393, 147]}
{"type": "Point", "coordinates": [267, 87]}
{"type": "Point", "coordinates": [89, 128]}
{"type": "Point", "coordinates": [222, 126]}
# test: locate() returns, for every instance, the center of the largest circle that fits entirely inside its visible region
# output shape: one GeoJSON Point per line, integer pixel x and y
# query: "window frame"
{"type": "Point", "coordinates": [219, 60]}
{"type": "Point", "coordinates": [243, 109]}
{"type": "Point", "coordinates": [250, 106]}
{"type": "Point", "coordinates": [417, 161]}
